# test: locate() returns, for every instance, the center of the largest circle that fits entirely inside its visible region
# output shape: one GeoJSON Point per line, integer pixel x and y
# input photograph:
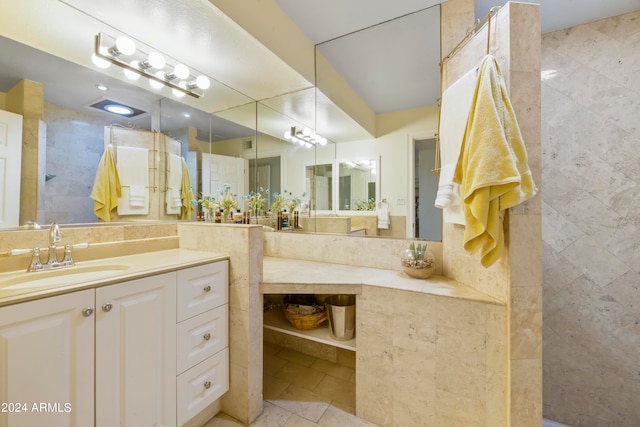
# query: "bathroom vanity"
{"type": "Point", "coordinates": [151, 340]}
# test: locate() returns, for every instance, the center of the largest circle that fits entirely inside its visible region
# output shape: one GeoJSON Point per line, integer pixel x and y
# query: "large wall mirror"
{"type": "Point", "coordinates": [328, 176]}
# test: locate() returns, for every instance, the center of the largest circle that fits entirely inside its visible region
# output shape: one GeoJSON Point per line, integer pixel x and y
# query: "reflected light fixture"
{"type": "Point", "coordinates": [160, 71]}
{"type": "Point", "coordinates": [305, 137]}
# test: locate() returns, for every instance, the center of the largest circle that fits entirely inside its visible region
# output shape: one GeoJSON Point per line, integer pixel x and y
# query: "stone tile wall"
{"type": "Point", "coordinates": [591, 222]}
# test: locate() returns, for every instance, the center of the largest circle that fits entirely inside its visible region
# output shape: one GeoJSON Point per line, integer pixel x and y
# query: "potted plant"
{"type": "Point", "coordinates": [417, 261]}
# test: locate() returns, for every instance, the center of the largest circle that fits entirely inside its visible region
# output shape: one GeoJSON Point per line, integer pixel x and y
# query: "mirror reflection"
{"type": "Point", "coordinates": [250, 135]}
{"type": "Point", "coordinates": [357, 185]}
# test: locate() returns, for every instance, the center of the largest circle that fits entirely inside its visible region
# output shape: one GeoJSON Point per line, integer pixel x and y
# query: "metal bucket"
{"type": "Point", "coordinates": [341, 312]}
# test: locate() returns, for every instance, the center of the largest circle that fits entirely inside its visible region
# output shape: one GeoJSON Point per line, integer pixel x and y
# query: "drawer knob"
{"type": "Point", "coordinates": [207, 336]}
{"type": "Point", "coordinates": [207, 288]}
{"type": "Point", "coordinates": [107, 306]}
{"type": "Point", "coordinates": [86, 312]}
{"type": "Point", "coordinates": [207, 385]}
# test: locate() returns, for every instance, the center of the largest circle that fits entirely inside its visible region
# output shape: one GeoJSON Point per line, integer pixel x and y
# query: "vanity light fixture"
{"type": "Point", "coordinates": [305, 137]}
{"type": "Point", "coordinates": [123, 52]}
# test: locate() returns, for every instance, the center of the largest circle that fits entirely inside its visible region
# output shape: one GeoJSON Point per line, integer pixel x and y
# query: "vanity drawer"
{"type": "Point", "coordinates": [202, 288]}
{"type": "Point", "coordinates": [202, 385]}
{"type": "Point", "coordinates": [202, 336]}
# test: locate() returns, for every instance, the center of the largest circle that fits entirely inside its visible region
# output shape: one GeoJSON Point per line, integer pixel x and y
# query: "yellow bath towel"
{"type": "Point", "coordinates": [106, 186]}
{"type": "Point", "coordinates": [186, 194]}
{"type": "Point", "coordinates": [492, 168]}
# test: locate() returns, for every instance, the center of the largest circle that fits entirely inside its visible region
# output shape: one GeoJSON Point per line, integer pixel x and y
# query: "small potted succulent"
{"type": "Point", "coordinates": [417, 261]}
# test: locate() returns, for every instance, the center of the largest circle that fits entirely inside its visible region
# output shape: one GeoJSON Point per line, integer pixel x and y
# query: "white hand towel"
{"type": "Point", "coordinates": [383, 218]}
{"type": "Point", "coordinates": [133, 169]}
{"type": "Point", "coordinates": [456, 103]}
{"type": "Point", "coordinates": [174, 184]}
{"type": "Point", "coordinates": [136, 196]}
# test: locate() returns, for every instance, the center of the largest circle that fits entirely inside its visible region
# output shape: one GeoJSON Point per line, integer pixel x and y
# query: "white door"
{"type": "Point", "coordinates": [136, 353]}
{"type": "Point", "coordinates": [218, 170]}
{"type": "Point", "coordinates": [46, 360]}
{"type": "Point", "coordinates": [10, 161]}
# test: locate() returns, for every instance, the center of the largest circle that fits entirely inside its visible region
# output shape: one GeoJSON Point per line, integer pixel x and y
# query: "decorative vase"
{"type": "Point", "coordinates": [418, 262]}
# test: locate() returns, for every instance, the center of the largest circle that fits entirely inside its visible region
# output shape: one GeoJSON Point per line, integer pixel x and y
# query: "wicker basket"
{"type": "Point", "coordinates": [304, 321]}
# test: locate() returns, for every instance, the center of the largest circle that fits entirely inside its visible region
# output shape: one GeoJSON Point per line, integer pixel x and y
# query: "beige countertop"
{"type": "Point", "coordinates": [93, 274]}
{"type": "Point", "coordinates": [286, 275]}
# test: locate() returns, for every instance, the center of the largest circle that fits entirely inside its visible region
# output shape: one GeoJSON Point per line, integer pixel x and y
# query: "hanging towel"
{"type": "Point", "coordinates": [173, 198]}
{"type": "Point", "coordinates": [186, 195]}
{"type": "Point", "coordinates": [133, 168]}
{"type": "Point", "coordinates": [383, 217]}
{"type": "Point", "coordinates": [136, 196]}
{"type": "Point", "coordinates": [454, 111]}
{"type": "Point", "coordinates": [106, 186]}
{"type": "Point", "coordinates": [492, 169]}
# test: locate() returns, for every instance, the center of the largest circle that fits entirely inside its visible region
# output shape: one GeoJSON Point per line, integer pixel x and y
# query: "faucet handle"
{"type": "Point", "coordinates": [19, 251]}
{"type": "Point", "coordinates": [36, 264]}
{"type": "Point", "coordinates": [67, 261]}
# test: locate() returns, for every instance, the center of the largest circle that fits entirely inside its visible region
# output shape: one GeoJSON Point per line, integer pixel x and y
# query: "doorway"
{"type": "Point", "coordinates": [427, 218]}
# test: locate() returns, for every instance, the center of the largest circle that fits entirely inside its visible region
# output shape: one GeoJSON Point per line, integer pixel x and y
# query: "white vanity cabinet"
{"type": "Point", "coordinates": [161, 352]}
{"type": "Point", "coordinates": [135, 358]}
{"type": "Point", "coordinates": [46, 362]}
{"type": "Point", "coordinates": [203, 337]}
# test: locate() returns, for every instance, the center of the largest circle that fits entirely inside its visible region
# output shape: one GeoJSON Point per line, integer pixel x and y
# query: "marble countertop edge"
{"type": "Point", "coordinates": [288, 275]}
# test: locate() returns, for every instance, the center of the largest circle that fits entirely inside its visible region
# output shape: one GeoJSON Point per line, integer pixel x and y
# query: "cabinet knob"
{"type": "Point", "coordinates": [207, 288]}
{"type": "Point", "coordinates": [86, 312]}
{"type": "Point", "coordinates": [207, 336]}
{"type": "Point", "coordinates": [207, 385]}
{"type": "Point", "coordinates": [107, 306]}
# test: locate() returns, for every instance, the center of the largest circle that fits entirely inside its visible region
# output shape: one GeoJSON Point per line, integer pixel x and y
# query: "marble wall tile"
{"type": "Point", "coordinates": [526, 392]}
{"type": "Point", "coordinates": [350, 250]}
{"type": "Point", "coordinates": [418, 362]}
{"type": "Point", "coordinates": [591, 227]}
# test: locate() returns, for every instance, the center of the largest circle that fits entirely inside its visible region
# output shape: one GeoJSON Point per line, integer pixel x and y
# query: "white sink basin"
{"type": "Point", "coordinates": [63, 276]}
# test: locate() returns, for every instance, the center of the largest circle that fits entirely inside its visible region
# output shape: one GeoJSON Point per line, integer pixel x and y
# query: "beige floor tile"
{"type": "Point", "coordinates": [273, 387]}
{"type": "Point", "coordinates": [302, 402]}
{"type": "Point", "coordinates": [337, 390]}
{"type": "Point", "coordinates": [296, 356]}
{"type": "Point", "coordinates": [296, 421]}
{"type": "Point", "coordinates": [335, 417]}
{"type": "Point", "coordinates": [272, 416]}
{"type": "Point", "coordinates": [299, 375]}
{"type": "Point", "coordinates": [272, 364]}
{"type": "Point", "coordinates": [333, 369]}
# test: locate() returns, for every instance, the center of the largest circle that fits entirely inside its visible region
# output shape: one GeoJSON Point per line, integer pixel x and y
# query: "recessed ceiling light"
{"type": "Point", "coordinates": [115, 107]}
{"type": "Point", "coordinates": [118, 109]}
{"type": "Point", "coordinates": [102, 87]}
{"type": "Point", "coordinates": [186, 115]}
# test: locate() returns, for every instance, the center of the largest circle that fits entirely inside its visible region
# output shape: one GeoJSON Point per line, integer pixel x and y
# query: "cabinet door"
{"type": "Point", "coordinates": [136, 353]}
{"type": "Point", "coordinates": [46, 362]}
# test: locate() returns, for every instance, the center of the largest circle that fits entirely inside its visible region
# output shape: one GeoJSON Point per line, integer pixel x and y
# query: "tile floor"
{"type": "Point", "coordinates": [303, 391]}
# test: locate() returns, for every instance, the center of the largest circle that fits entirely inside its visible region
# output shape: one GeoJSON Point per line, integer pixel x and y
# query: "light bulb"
{"type": "Point", "coordinates": [287, 135]}
{"type": "Point", "coordinates": [181, 71]}
{"type": "Point", "coordinates": [203, 82]}
{"type": "Point", "coordinates": [156, 60]}
{"type": "Point", "coordinates": [125, 45]}
{"type": "Point", "coordinates": [306, 131]}
{"type": "Point", "coordinates": [155, 84]}
{"type": "Point", "coordinates": [323, 141]}
{"type": "Point", "coordinates": [132, 75]}
{"type": "Point", "coordinates": [177, 93]}
{"type": "Point", "coordinates": [294, 139]}
{"type": "Point", "coordinates": [100, 62]}
{"type": "Point", "coordinates": [306, 144]}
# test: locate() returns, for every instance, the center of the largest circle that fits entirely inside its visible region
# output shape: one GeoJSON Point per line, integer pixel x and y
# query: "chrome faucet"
{"type": "Point", "coordinates": [54, 237]}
